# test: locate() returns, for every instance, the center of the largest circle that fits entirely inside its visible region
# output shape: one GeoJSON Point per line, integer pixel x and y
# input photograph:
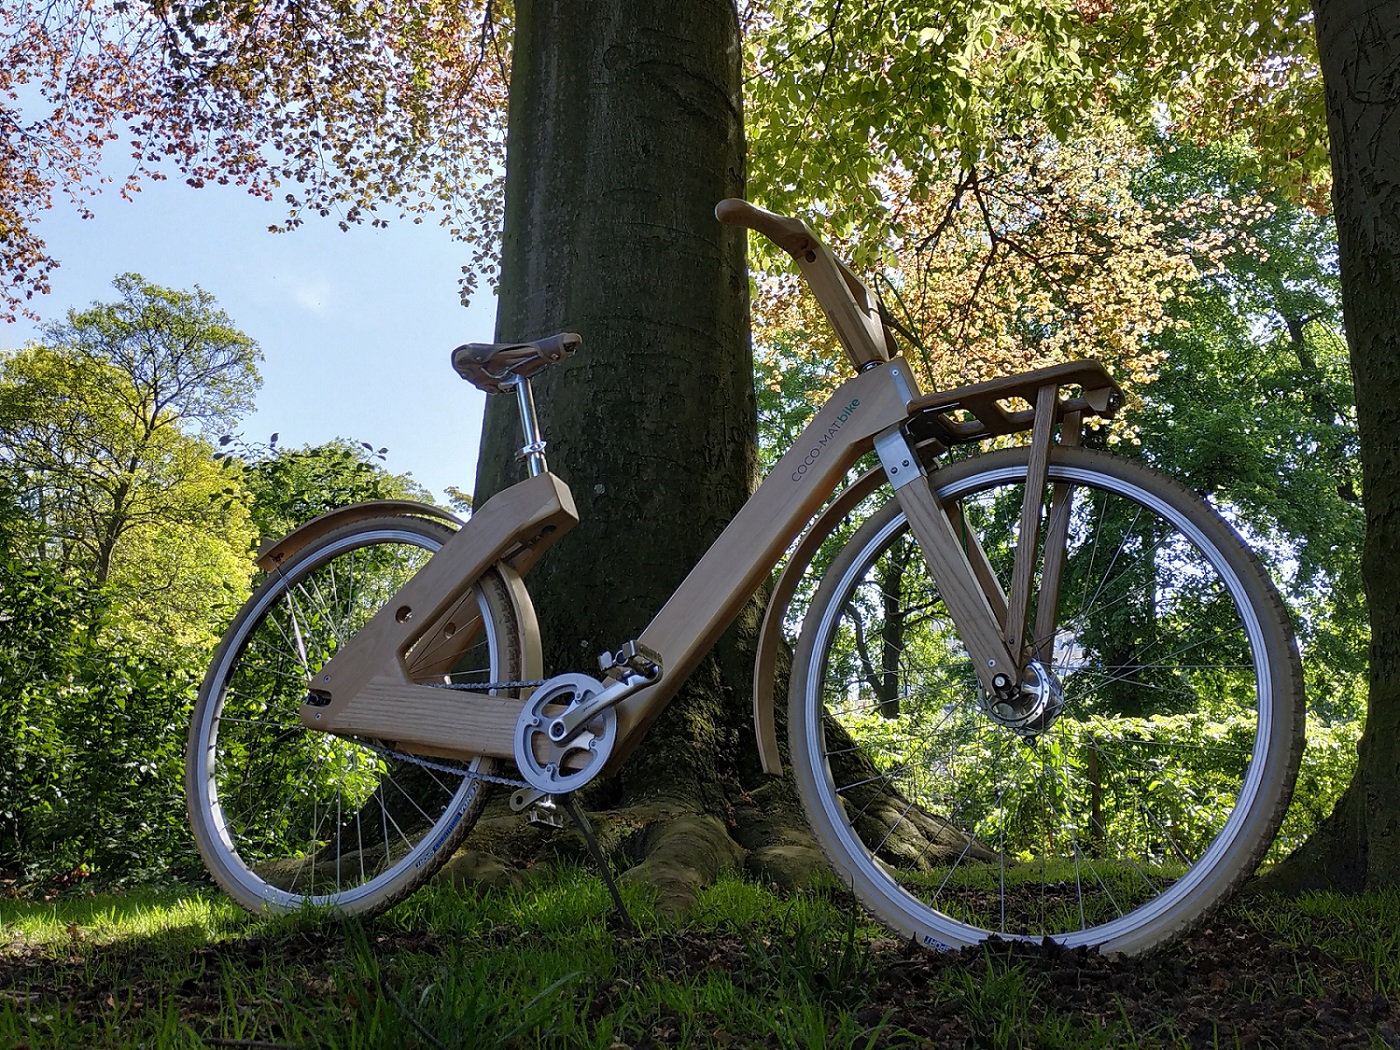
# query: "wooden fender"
{"type": "Point", "coordinates": [272, 553]}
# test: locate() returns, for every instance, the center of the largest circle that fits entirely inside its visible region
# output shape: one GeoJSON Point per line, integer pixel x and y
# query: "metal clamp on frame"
{"type": "Point", "coordinates": [894, 446]}
{"type": "Point", "coordinates": [532, 452]}
{"type": "Point", "coordinates": [898, 457]}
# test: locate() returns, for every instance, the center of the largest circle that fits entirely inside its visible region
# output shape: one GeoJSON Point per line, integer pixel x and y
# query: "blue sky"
{"type": "Point", "coordinates": [356, 328]}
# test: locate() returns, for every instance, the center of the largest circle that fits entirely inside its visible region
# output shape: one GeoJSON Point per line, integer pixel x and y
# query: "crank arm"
{"type": "Point", "coordinates": [563, 728]}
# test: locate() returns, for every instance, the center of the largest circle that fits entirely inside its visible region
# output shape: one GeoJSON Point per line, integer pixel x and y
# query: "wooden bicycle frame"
{"type": "Point", "coordinates": [365, 690]}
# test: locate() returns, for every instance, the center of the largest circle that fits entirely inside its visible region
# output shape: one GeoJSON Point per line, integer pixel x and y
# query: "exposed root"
{"type": "Point", "coordinates": [684, 855]}
{"type": "Point", "coordinates": [781, 851]}
{"type": "Point", "coordinates": [1334, 857]}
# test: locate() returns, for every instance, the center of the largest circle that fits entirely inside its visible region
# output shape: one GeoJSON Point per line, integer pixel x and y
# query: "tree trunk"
{"type": "Point", "coordinates": [1358, 847]}
{"type": "Point", "coordinates": [110, 532]}
{"type": "Point", "coordinates": [625, 129]}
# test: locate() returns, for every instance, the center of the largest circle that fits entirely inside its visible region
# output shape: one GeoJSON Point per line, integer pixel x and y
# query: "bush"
{"type": "Point", "coordinates": [92, 762]}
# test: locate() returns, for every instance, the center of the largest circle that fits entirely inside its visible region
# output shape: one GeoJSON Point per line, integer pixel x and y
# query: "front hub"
{"type": "Point", "coordinates": [1030, 708]}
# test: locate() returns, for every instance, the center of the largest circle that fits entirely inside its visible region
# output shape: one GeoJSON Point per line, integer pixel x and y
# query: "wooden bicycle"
{"type": "Point", "coordinates": [1038, 692]}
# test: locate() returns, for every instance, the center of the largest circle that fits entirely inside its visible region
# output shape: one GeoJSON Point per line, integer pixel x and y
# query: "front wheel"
{"type": "Point", "coordinates": [1152, 777]}
{"type": "Point", "coordinates": [285, 816]}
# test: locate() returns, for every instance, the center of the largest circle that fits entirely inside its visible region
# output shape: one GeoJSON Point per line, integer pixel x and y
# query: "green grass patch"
{"type": "Point", "coordinates": [170, 918]}
{"type": "Point", "coordinates": [1362, 930]}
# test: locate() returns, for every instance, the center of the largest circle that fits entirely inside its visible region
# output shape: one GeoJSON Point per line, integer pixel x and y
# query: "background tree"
{"type": "Point", "coordinates": [1254, 401]}
{"type": "Point", "coordinates": [287, 487]}
{"type": "Point", "coordinates": [1218, 298]}
{"type": "Point", "coordinates": [1359, 46]}
{"type": "Point", "coordinates": [1254, 408]}
{"type": "Point", "coordinates": [1018, 262]}
{"type": "Point", "coordinates": [637, 109]}
{"type": "Point", "coordinates": [122, 555]}
{"type": "Point", "coordinates": [103, 434]}
{"type": "Point", "coordinates": [97, 707]}
{"type": "Point", "coordinates": [1217, 71]}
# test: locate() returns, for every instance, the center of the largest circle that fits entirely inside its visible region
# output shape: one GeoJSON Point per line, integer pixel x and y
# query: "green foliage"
{"type": "Point", "coordinates": [99, 707]}
{"type": "Point", "coordinates": [102, 442]}
{"type": "Point", "coordinates": [1161, 783]}
{"type": "Point", "coordinates": [39, 631]}
{"type": "Point", "coordinates": [291, 486]}
{"type": "Point", "coordinates": [95, 749]}
{"type": "Point", "coordinates": [184, 358]}
{"type": "Point", "coordinates": [1254, 404]}
{"type": "Point", "coordinates": [1253, 407]}
{"type": "Point", "coordinates": [345, 110]}
{"type": "Point", "coordinates": [839, 99]}
{"type": "Point", "coordinates": [1329, 760]}
{"type": "Point", "coordinates": [790, 384]}
{"type": "Point", "coordinates": [124, 542]}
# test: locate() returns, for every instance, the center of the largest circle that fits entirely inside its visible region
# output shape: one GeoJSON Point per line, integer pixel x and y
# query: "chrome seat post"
{"type": "Point", "coordinates": [533, 449]}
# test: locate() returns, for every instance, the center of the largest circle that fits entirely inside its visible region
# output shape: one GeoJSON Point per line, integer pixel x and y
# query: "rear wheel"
{"type": "Point", "coordinates": [285, 816]}
{"type": "Point", "coordinates": [1147, 784]}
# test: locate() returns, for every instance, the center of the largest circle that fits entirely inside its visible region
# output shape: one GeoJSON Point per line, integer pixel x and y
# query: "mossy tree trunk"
{"type": "Point", "coordinates": [625, 130]}
{"type": "Point", "coordinates": [1359, 44]}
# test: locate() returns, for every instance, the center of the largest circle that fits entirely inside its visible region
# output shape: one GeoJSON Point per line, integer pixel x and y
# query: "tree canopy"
{"type": "Point", "coordinates": [840, 92]}
{"type": "Point", "coordinates": [365, 112]}
{"type": "Point", "coordinates": [333, 108]}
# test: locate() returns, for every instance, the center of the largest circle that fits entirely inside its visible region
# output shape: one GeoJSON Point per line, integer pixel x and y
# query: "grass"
{"type": "Point", "coordinates": [1362, 930]}
{"type": "Point", "coordinates": [186, 969]}
{"type": "Point", "coordinates": [1045, 893]}
{"type": "Point", "coordinates": [173, 919]}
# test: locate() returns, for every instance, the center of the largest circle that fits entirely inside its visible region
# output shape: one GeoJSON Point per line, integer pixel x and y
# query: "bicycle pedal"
{"type": "Point", "coordinates": [541, 806]}
{"type": "Point", "coordinates": [546, 815]}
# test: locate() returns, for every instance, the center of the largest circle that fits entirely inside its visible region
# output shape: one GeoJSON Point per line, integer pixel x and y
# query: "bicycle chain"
{"type": "Point", "coordinates": [480, 687]}
{"type": "Point", "coordinates": [456, 771]}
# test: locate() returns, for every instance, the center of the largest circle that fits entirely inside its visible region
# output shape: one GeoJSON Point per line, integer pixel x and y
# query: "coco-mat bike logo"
{"type": "Point", "coordinates": [812, 456]}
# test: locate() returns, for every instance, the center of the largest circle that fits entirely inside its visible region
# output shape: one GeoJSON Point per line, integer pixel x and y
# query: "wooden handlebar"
{"type": "Point", "coordinates": [852, 308]}
{"type": "Point", "coordinates": [792, 235]}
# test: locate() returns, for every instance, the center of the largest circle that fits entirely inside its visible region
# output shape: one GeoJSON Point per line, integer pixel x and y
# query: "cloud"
{"type": "Point", "coordinates": [313, 296]}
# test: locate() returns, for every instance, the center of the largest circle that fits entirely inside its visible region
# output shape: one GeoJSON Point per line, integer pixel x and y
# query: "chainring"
{"type": "Point", "coordinates": [569, 765]}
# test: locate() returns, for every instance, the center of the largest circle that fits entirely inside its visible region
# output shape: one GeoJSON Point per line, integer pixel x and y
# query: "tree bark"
{"type": "Point", "coordinates": [625, 129]}
{"type": "Point", "coordinates": [1358, 847]}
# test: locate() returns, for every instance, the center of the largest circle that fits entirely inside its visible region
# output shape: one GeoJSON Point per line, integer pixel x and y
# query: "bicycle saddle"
{"type": "Point", "coordinates": [491, 366]}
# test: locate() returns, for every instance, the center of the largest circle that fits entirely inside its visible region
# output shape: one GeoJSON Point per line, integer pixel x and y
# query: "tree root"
{"type": "Point", "coordinates": [673, 847]}
{"type": "Point", "coordinates": [684, 855]}
{"type": "Point", "coordinates": [1334, 856]}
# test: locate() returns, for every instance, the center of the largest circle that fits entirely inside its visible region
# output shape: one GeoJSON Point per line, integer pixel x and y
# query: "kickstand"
{"type": "Point", "coordinates": [571, 806]}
